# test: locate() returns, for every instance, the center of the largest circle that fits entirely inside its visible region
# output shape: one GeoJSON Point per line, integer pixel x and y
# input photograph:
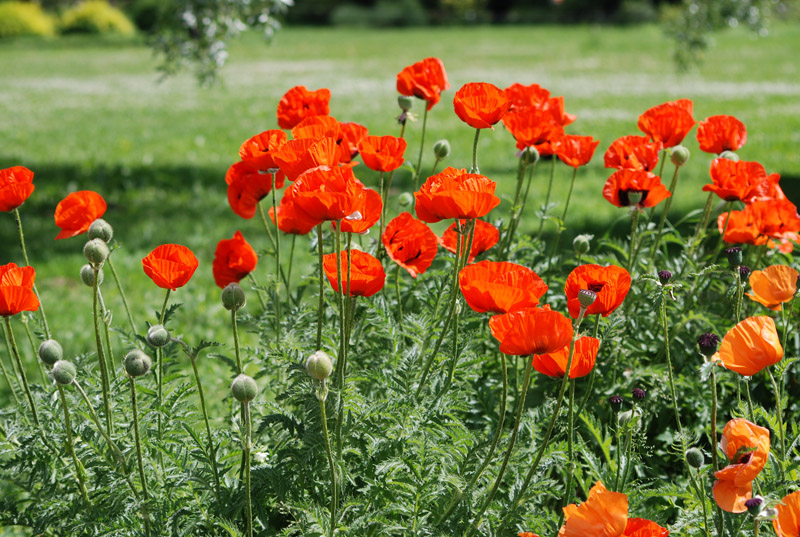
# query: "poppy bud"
{"type": "Point", "coordinates": [96, 251]}
{"type": "Point", "coordinates": [730, 155]}
{"type": "Point", "coordinates": [244, 388]}
{"type": "Point", "coordinates": [586, 297]}
{"type": "Point", "coordinates": [680, 155]}
{"type": "Point", "coordinates": [664, 276]}
{"type": "Point", "coordinates": [754, 505]}
{"type": "Point", "coordinates": [100, 229]}
{"type": "Point", "coordinates": [50, 351]}
{"type": "Point", "coordinates": [233, 297]}
{"type": "Point", "coordinates": [734, 255]}
{"type": "Point", "coordinates": [319, 365]}
{"type": "Point", "coordinates": [137, 363]}
{"type": "Point", "coordinates": [694, 457]}
{"type": "Point", "coordinates": [64, 372]}
{"type": "Point", "coordinates": [616, 401]}
{"type": "Point", "coordinates": [708, 344]}
{"type": "Point", "coordinates": [157, 335]}
{"type": "Point", "coordinates": [624, 417]}
{"type": "Point", "coordinates": [744, 273]}
{"type": "Point", "coordinates": [638, 394]}
{"type": "Point", "coordinates": [530, 155]}
{"type": "Point", "coordinates": [405, 102]}
{"type": "Point", "coordinates": [87, 275]}
{"type": "Point", "coordinates": [441, 149]}
{"type": "Point", "coordinates": [406, 199]}
{"type": "Point", "coordinates": [581, 243]}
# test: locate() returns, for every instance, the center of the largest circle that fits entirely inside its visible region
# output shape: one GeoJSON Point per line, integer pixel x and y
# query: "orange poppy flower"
{"type": "Point", "coordinates": [531, 331]}
{"type": "Point", "coordinates": [259, 149]}
{"type": "Point", "coordinates": [633, 153]}
{"type": "Point", "coordinates": [770, 189]}
{"type": "Point", "coordinates": [299, 103]}
{"type": "Point", "coordinates": [774, 285]}
{"type": "Point", "coordinates": [382, 153]}
{"type": "Point", "coordinates": [233, 260]}
{"type": "Point", "coordinates": [787, 523]}
{"type": "Point", "coordinates": [500, 287]}
{"type": "Point", "coordinates": [486, 236]}
{"type": "Point", "coordinates": [721, 133]}
{"type": "Point", "coordinates": [737, 180]}
{"type": "Point", "coordinates": [534, 127]}
{"type": "Point", "coordinates": [750, 346]}
{"type": "Point", "coordinates": [554, 364]}
{"type": "Point", "coordinates": [526, 534]}
{"type": "Point", "coordinates": [574, 150]}
{"type": "Point", "coordinates": [350, 134]}
{"type": "Point", "coordinates": [668, 123]}
{"type": "Point", "coordinates": [325, 193]}
{"type": "Point", "coordinates": [75, 213]}
{"type": "Point", "coordinates": [247, 186]}
{"type": "Point", "coordinates": [641, 527]}
{"type": "Point", "coordinates": [480, 104]}
{"type": "Point", "coordinates": [603, 514]}
{"type": "Point", "coordinates": [747, 447]}
{"type": "Point", "coordinates": [425, 79]}
{"type": "Point", "coordinates": [732, 497]}
{"type": "Point", "coordinates": [619, 186]}
{"type": "Point", "coordinates": [170, 265]}
{"type": "Point", "coordinates": [520, 96]}
{"type": "Point", "coordinates": [366, 214]}
{"type": "Point", "coordinates": [317, 127]}
{"type": "Point", "coordinates": [760, 221]}
{"type": "Point", "coordinates": [366, 273]}
{"type": "Point", "coordinates": [410, 243]}
{"type": "Point", "coordinates": [16, 185]}
{"type": "Point", "coordinates": [454, 193]}
{"type": "Point", "coordinates": [556, 106]}
{"type": "Point", "coordinates": [611, 284]}
{"type": "Point", "coordinates": [16, 290]}
{"type": "Point", "coordinates": [290, 219]}
{"type": "Point", "coordinates": [297, 156]}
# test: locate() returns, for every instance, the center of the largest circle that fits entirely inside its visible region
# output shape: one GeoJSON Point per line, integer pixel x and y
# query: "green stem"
{"type": "Point", "coordinates": [663, 218]}
{"type": "Point", "coordinates": [27, 263]}
{"type": "Point", "coordinates": [160, 360]}
{"type": "Point", "coordinates": [421, 147]}
{"type": "Point", "coordinates": [100, 354]}
{"type": "Point", "coordinates": [475, 168]}
{"type": "Point", "coordinates": [235, 330]}
{"type": "Point", "coordinates": [291, 260]}
{"type": "Point", "coordinates": [257, 287]}
{"type": "Point", "coordinates": [721, 240]}
{"type": "Point", "coordinates": [122, 294]}
{"type": "Point", "coordinates": [11, 385]}
{"type": "Point", "coordinates": [138, 442]}
{"type": "Point", "coordinates": [627, 469]}
{"type": "Point", "coordinates": [632, 247]}
{"type": "Point", "coordinates": [211, 449]}
{"type": "Point", "coordinates": [35, 349]}
{"type": "Point", "coordinates": [435, 165]}
{"type": "Point", "coordinates": [92, 414]}
{"type": "Point", "coordinates": [246, 447]}
{"type": "Point", "coordinates": [547, 198]}
{"type": "Point", "coordinates": [737, 279]}
{"type": "Point", "coordinates": [561, 226]}
{"type": "Point", "coordinates": [342, 362]}
{"type": "Point", "coordinates": [277, 270]}
{"type": "Point", "coordinates": [700, 231]}
{"type": "Point", "coordinates": [321, 306]}
{"type": "Point", "coordinates": [399, 298]}
{"type": "Point", "coordinates": [515, 209]}
{"type": "Point", "coordinates": [714, 455]}
{"type": "Point", "coordinates": [71, 447]}
{"type": "Point", "coordinates": [673, 392]}
{"type": "Point", "coordinates": [107, 336]}
{"type": "Point", "coordinates": [779, 416]}
{"type": "Point", "coordinates": [324, 417]}
{"type": "Point", "coordinates": [570, 440]}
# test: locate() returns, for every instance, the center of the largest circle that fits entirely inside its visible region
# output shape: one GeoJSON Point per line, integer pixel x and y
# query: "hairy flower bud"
{"type": "Point", "coordinates": [405, 102]}
{"type": "Point", "coordinates": [244, 388]}
{"type": "Point", "coordinates": [137, 363]}
{"type": "Point", "coordinates": [694, 457]}
{"type": "Point", "coordinates": [406, 199]}
{"type": "Point", "coordinates": [680, 155]}
{"type": "Point", "coordinates": [96, 251]}
{"type": "Point", "coordinates": [50, 351]}
{"type": "Point", "coordinates": [319, 365]}
{"type": "Point", "coordinates": [744, 273]}
{"type": "Point", "coordinates": [100, 229]}
{"type": "Point", "coordinates": [730, 155]}
{"type": "Point", "coordinates": [708, 344]}
{"type": "Point", "coordinates": [87, 275]}
{"type": "Point", "coordinates": [441, 149]}
{"type": "Point", "coordinates": [233, 297]}
{"type": "Point", "coordinates": [157, 335]}
{"type": "Point", "coordinates": [638, 394]}
{"type": "Point", "coordinates": [582, 243]}
{"type": "Point", "coordinates": [734, 255]}
{"type": "Point", "coordinates": [616, 401]}
{"type": "Point", "coordinates": [754, 505]}
{"type": "Point", "coordinates": [64, 372]}
{"type": "Point", "coordinates": [664, 276]}
{"type": "Point", "coordinates": [530, 155]}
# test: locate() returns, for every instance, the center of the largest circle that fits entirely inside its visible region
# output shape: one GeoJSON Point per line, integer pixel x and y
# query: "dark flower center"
{"type": "Point", "coordinates": [624, 198]}
{"type": "Point", "coordinates": [596, 287]}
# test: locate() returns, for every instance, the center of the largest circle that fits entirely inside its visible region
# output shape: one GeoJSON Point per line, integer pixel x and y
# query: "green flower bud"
{"type": "Point", "coordinates": [405, 102]}
{"type": "Point", "coordinates": [530, 155]}
{"type": "Point", "coordinates": [624, 417]}
{"type": "Point", "coordinates": [96, 251]}
{"type": "Point", "coordinates": [441, 149]}
{"type": "Point", "coordinates": [406, 199]}
{"type": "Point", "coordinates": [680, 155]}
{"type": "Point", "coordinates": [64, 372]}
{"type": "Point", "coordinates": [694, 457]}
{"type": "Point", "coordinates": [157, 335]}
{"type": "Point", "coordinates": [755, 505]}
{"type": "Point", "coordinates": [730, 155]}
{"type": "Point", "coordinates": [50, 351]}
{"type": "Point", "coordinates": [244, 388]}
{"type": "Point", "coordinates": [100, 229]}
{"type": "Point", "coordinates": [319, 365]}
{"type": "Point", "coordinates": [233, 297]}
{"type": "Point", "coordinates": [87, 275]}
{"type": "Point", "coordinates": [581, 243]}
{"type": "Point", "coordinates": [137, 363]}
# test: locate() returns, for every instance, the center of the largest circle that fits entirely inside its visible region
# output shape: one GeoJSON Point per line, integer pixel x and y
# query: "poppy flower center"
{"type": "Point", "coordinates": [596, 287]}
{"type": "Point", "coordinates": [625, 195]}
{"type": "Point", "coordinates": [745, 458]}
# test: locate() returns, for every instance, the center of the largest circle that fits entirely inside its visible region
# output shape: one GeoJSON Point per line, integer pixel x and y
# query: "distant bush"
{"type": "Point", "coordinates": [384, 13]}
{"type": "Point", "coordinates": [96, 17]}
{"type": "Point", "coordinates": [20, 18]}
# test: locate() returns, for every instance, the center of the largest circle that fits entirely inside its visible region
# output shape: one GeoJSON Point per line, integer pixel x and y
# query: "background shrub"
{"type": "Point", "coordinates": [384, 13]}
{"type": "Point", "coordinates": [96, 17]}
{"type": "Point", "coordinates": [19, 18]}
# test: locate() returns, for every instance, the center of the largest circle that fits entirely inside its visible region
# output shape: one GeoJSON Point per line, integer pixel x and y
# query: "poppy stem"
{"type": "Point", "coordinates": [700, 231]}
{"type": "Point", "coordinates": [547, 198]}
{"type": "Point", "coordinates": [322, 395]}
{"type": "Point", "coordinates": [11, 385]}
{"type": "Point", "coordinates": [663, 218]}
{"type": "Point", "coordinates": [737, 280]}
{"type": "Point", "coordinates": [673, 392]}
{"type": "Point", "coordinates": [383, 216]}
{"type": "Point", "coordinates": [588, 390]}
{"type": "Point", "coordinates": [246, 447]}
{"type": "Point", "coordinates": [515, 209]}
{"type": "Point", "coordinates": [20, 369]}
{"type": "Point", "coordinates": [122, 294]}
{"type": "Point", "coordinates": [633, 249]}
{"type": "Point", "coordinates": [289, 270]}
{"type": "Point", "coordinates": [321, 306]}
{"type": "Point", "coordinates": [235, 330]}
{"type": "Point", "coordinates": [71, 447]}
{"type": "Point", "coordinates": [570, 441]}
{"type": "Point", "coordinates": [160, 360]}
{"type": "Point", "coordinates": [100, 354]}
{"type": "Point", "coordinates": [779, 417]}
{"type": "Point", "coordinates": [342, 362]}
{"type": "Point", "coordinates": [93, 415]}
{"type": "Point", "coordinates": [561, 226]}
{"type": "Point", "coordinates": [106, 336]}
{"type": "Point", "coordinates": [27, 263]}
{"type": "Point", "coordinates": [277, 270]}
{"type": "Point", "coordinates": [720, 242]}
{"type": "Point", "coordinates": [399, 298]}
{"type": "Point", "coordinates": [34, 348]}
{"type": "Point", "coordinates": [421, 147]}
{"type": "Point", "coordinates": [475, 168]}
{"type": "Point", "coordinates": [257, 289]}
{"type": "Point", "coordinates": [138, 443]}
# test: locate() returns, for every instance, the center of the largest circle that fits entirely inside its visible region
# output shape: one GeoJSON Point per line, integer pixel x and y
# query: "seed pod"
{"type": "Point", "coordinates": [64, 372]}
{"type": "Point", "coordinates": [100, 229]}
{"type": "Point", "coordinates": [319, 365]}
{"type": "Point", "coordinates": [137, 363]}
{"type": "Point", "coordinates": [233, 297]}
{"type": "Point", "coordinates": [157, 335]}
{"type": "Point", "coordinates": [244, 388]}
{"type": "Point", "coordinates": [405, 199]}
{"type": "Point", "coordinates": [50, 351]}
{"type": "Point", "coordinates": [87, 275]}
{"type": "Point", "coordinates": [581, 244]}
{"type": "Point", "coordinates": [96, 251]}
{"type": "Point", "coordinates": [694, 457]}
{"type": "Point", "coordinates": [680, 155]}
{"type": "Point", "coordinates": [586, 297]}
{"type": "Point", "coordinates": [441, 149]}
{"type": "Point", "coordinates": [405, 102]}
{"type": "Point", "coordinates": [530, 155]}
{"type": "Point", "coordinates": [734, 255]}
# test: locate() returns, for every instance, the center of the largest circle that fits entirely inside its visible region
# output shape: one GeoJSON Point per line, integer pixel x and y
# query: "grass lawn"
{"type": "Point", "coordinates": [89, 114]}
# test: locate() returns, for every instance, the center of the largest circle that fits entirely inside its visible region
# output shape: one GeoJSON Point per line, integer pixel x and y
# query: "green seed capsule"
{"type": "Point", "coordinates": [87, 275]}
{"type": "Point", "coordinates": [50, 351]}
{"type": "Point", "coordinates": [137, 363]}
{"type": "Point", "coordinates": [100, 229]}
{"type": "Point", "coordinates": [319, 365]}
{"type": "Point", "coordinates": [244, 388]}
{"type": "Point", "coordinates": [64, 372]}
{"type": "Point", "coordinates": [233, 297]}
{"type": "Point", "coordinates": [96, 251]}
{"type": "Point", "coordinates": [157, 335]}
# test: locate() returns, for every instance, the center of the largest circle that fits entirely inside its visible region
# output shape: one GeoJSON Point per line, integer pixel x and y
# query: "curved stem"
{"type": "Point", "coordinates": [235, 330]}
{"type": "Point", "coordinates": [561, 225]}
{"type": "Point", "coordinates": [23, 377]}
{"type": "Point", "coordinates": [547, 198]}
{"type": "Point", "coordinates": [138, 442]}
{"type": "Point", "coordinates": [321, 306]}
{"type": "Point", "coordinates": [71, 447]}
{"type": "Point", "coordinates": [721, 239]}
{"type": "Point", "coordinates": [160, 360]}
{"type": "Point", "coordinates": [700, 231]}
{"type": "Point", "coordinates": [25, 257]}
{"type": "Point", "coordinates": [122, 294]}
{"type": "Point", "coordinates": [92, 414]}
{"type": "Point", "coordinates": [421, 147]}
{"type": "Point", "coordinates": [34, 348]}
{"type": "Point", "coordinates": [246, 446]}
{"type": "Point", "coordinates": [663, 218]}
{"type": "Point", "coordinates": [107, 337]}
{"type": "Point", "coordinates": [475, 168]}
{"type": "Point", "coordinates": [100, 354]}
{"type": "Point", "coordinates": [779, 416]}
{"type": "Point", "coordinates": [258, 291]}
{"type": "Point", "coordinates": [515, 209]}
{"type": "Point", "coordinates": [324, 417]}
{"type": "Point", "coordinates": [11, 385]}
{"type": "Point", "coordinates": [211, 449]}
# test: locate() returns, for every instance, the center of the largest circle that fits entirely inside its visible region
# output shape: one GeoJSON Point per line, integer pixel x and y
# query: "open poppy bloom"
{"type": "Point", "coordinates": [170, 266]}
{"type": "Point", "coordinates": [317, 127]}
{"type": "Point", "coordinates": [425, 80]}
{"type": "Point", "coordinates": [668, 123]}
{"type": "Point", "coordinates": [247, 186]}
{"type": "Point", "coordinates": [382, 153]}
{"type": "Point", "coordinates": [526, 534]}
{"type": "Point", "coordinates": [721, 133]}
{"type": "Point", "coordinates": [258, 150]}
{"type": "Point", "coordinates": [410, 243]}
{"type": "Point", "coordinates": [366, 273]}
{"type": "Point", "coordinates": [297, 156]}
{"type": "Point", "coordinates": [16, 290]}
{"type": "Point", "coordinates": [603, 514]}
{"type": "Point", "coordinates": [531, 331]}
{"type": "Point", "coordinates": [737, 180]}
{"type": "Point", "coordinates": [750, 346]}
{"type": "Point", "coordinates": [290, 219]}
{"type": "Point", "coordinates": [75, 213]}
{"type": "Point", "coordinates": [641, 527]}
{"type": "Point", "coordinates": [574, 150]}
{"type": "Point", "coordinates": [747, 447]}
{"type": "Point", "coordinates": [611, 284]}
{"type": "Point", "coordinates": [761, 221]}
{"type": "Point", "coordinates": [350, 134]}
{"type": "Point", "coordinates": [325, 193]}
{"type": "Point", "coordinates": [787, 523]}
{"type": "Point", "coordinates": [366, 214]}
{"type": "Point", "coordinates": [623, 183]}
{"type": "Point", "coordinates": [299, 103]}
{"type": "Point", "coordinates": [500, 287]}
{"type": "Point", "coordinates": [633, 153]}
{"type": "Point", "coordinates": [454, 193]}
{"type": "Point", "coordinates": [732, 497]}
{"type": "Point", "coordinates": [774, 285]}
{"type": "Point", "coordinates": [554, 364]}
{"type": "Point", "coordinates": [233, 260]}
{"type": "Point", "coordinates": [486, 236]}
{"type": "Point", "coordinates": [521, 96]}
{"type": "Point", "coordinates": [480, 104]}
{"type": "Point", "coordinates": [16, 185]}
{"type": "Point", "coordinates": [534, 127]}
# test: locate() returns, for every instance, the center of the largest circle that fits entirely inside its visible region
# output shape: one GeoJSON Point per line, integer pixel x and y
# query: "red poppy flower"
{"type": "Point", "coordinates": [350, 134]}
{"type": "Point", "coordinates": [382, 153]}
{"type": "Point", "coordinates": [534, 127]}
{"type": "Point", "coordinates": [770, 189]}
{"type": "Point", "coordinates": [75, 213]}
{"type": "Point", "coordinates": [297, 156]}
{"type": "Point", "coordinates": [531, 331]}
{"type": "Point", "coordinates": [760, 221]}
{"type": "Point", "coordinates": [366, 273]}
{"type": "Point", "coordinates": [732, 497]}
{"type": "Point", "coordinates": [721, 133]}
{"type": "Point", "coordinates": [787, 523]}
{"type": "Point", "coordinates": [170, 266]}
{"type": "Point", "coordinates": [233, 260]}
{"type": "Point", "coordinates": [366, 214]}
{"type": "Point", "coordinates": [16, 185]}
{"type": "Point", "coordinates": [520, 96]}
{"type": "Point", "coordinates": [641, 527]}
{"type": "Point", "coordinates": [425, 79]}
{"type": "Point", "coordinates": [500, 287]}
{"type": "Point", "coordinates": [554, 364]}
{"type": "Point", "coordinates": [410, 243]}
{"type": "Point", "coordinates": [668, 123]}
{"type": "Point", "coordinates": [623, 182]}
{"type": "Point", "coordinates": [737, 180]}
{"type": "Point", "coordinates": [16, 290]}
{"type": "Point", "coordinates": [611, 284]}
{"type": "Point", "coordinates": [773, 286]}
{"type": "Point", "coordinates": [480, 104]}
{"type": "Point", "coordinates": [454, 193]}
{"type": "Point", "coordinates": [747, 447]}
{"type": "Point", "coordinates": [290, 219]}
{"type": "Point", "coordinates": [603, 514]}
{"type": "Point", "coordinates": [317, 127]}
{"type": "Point", "coordinates": [259, 150]}
{"type": "Point", "coordinates": [750, 346]}
{"type": "Point", "coordinates": [556, 107]}
{"type": "Point", "coordinates": [526, 534]}
{"type": "Point", "coordinates": [574, 150]}
{"type": "Point", "coordinates": [486, 236]}
{"type": "Point", "coordinates": [298, 103]}
{"type": "Point", "coordinates": [325, 193]}
{"type": "Point", "coordinates": [247, 186]}
{"type": "Point", "coordinates": [633, 153]}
